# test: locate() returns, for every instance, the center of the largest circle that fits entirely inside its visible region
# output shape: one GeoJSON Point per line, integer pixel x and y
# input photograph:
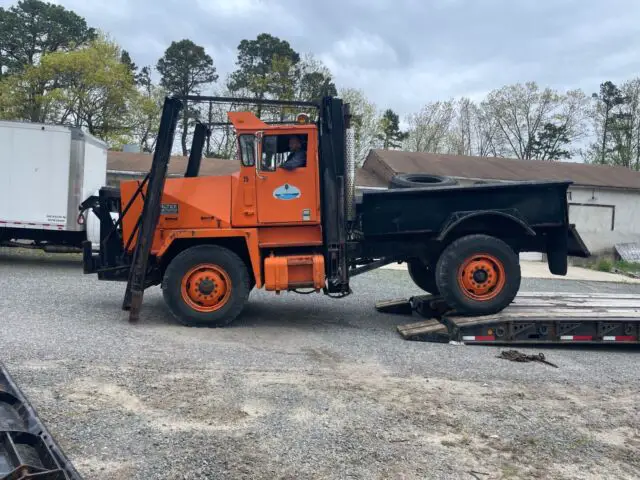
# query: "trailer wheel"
{"type": "Point", "coordinates": [420, 180]}
{"type": "Point", "coordinates": [206, 286]}
{"type": "Point", "coordinates": [478, 275]}
{"type": "Point", "coordinates": [423, 276]}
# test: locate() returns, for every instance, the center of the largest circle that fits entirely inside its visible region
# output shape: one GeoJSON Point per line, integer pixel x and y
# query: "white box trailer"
{"type": "Point", "coordinates": [46, 172]}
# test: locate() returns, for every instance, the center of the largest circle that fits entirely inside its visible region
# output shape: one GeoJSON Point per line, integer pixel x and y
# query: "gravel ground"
{"type": "Point", "coordinates": [291, 392]}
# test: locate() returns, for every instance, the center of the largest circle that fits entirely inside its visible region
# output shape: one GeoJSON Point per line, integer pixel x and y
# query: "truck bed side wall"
{"type": "Point", "coordinates": [427, 211]}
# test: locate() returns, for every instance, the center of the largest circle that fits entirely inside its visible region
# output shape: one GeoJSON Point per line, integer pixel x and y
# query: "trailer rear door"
{"type": "Point", "coordinates": [34, 176]}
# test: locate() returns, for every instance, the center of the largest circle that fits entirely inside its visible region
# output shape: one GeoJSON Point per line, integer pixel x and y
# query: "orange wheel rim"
{"type": "Point", "coordinates": [206, 287]}
{"type": "Point", "coordinates": [481, 277]}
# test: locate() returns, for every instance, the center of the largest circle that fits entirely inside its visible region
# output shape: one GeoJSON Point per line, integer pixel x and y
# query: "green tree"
{"type": "Point", "coordinates": [94, 89]}
{"type": "Point", "coordinates": [616, 125]}
{"type": "Point", "coordinates": [33, 28]}
{"type": "Point", "coordinates": [522, 110]}
{"type": "Point", "coordinates": [365, 121]}
{"type": "Point", "coordinates": [146, 111]}
{"type": "Point", "coordinates": [608, 99]}
{"type": "Point", "coordinates": [314, 80]}
{"type": "Point", "coordinates": [430, 128]}
{"type": "Point", "coordinates": [390, 133]}
{"type": "Point", "coordinates": [126, 60]}
{"type": "Point", "coordinates": [185, 68]}
{"type": "Point", "coordinates": [88, 88]}
{"type": "Point", "coordinates": [264, 66]}
{"type": "Point", "coordinates": [550, 143]}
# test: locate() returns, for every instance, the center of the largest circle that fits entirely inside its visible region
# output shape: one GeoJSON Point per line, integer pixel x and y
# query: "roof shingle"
{"type": "Point", "coordinates": [493, 168]}
{"type": "Point", "coordinates": [141, 162]}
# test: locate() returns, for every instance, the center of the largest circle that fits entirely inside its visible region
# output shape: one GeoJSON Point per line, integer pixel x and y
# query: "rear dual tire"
{"type": "Point", "coordinates": [478, 275]}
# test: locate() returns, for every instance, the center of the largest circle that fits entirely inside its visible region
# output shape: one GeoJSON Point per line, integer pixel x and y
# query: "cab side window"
{"type": "Point", "coordinates": [247, 150]}
{"type": "Point", "coordinates": [288, 152]}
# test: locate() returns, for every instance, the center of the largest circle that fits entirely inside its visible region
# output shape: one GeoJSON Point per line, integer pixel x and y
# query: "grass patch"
{"type": "Point", "coordinates": [604, 265]}
{"type": "Point", "coordinates": [509, 471]}
{"type": "Point", "coordinates": [630, 267]}
{"type": "Point", "coordinates": [607, 265]}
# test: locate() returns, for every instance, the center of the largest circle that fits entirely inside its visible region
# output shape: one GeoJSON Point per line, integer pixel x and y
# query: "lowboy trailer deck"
{"type": "Point", "coordinates": [532, 318]}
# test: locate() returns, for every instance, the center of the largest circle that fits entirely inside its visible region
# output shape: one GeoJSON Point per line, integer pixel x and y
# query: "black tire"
{"type": "Point", "coordinates": [420, 180]}
{"type": "Point", "coordinates": [502, 267]}
{"type": "Point", "coordinates": [423, 276]}
{"type": "Point", "coordinates": [226, 263]}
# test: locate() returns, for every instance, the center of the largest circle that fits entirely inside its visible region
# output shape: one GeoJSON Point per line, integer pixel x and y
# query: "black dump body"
{"type": "Point", "coordinates": [27, 449]}
{"type": "Point", "coordinates": [403, 222]}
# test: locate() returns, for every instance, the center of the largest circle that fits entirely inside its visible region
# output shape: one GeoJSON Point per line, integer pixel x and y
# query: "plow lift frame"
{"type": "Point", "coordinates": [155, 181]}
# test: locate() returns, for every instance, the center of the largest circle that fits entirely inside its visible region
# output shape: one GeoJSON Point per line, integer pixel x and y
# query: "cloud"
{"type": "Point", "coordinates": [401, 53]}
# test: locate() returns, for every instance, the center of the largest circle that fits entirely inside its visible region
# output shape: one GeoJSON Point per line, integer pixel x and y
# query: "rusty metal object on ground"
{"type": "Point", "coordinates": [516, 356]}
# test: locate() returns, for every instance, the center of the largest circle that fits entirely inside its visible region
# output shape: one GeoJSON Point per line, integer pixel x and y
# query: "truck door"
{"type": "Point", "coordinates": [288, 195]}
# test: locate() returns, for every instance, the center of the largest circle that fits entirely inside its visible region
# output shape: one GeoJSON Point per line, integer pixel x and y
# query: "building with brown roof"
{"type": "Point", "coordinates": [129, 165]}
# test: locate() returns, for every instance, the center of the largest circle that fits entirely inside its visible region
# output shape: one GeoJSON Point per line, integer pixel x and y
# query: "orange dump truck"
{"type": "Point", "coordinates": [289, 220]}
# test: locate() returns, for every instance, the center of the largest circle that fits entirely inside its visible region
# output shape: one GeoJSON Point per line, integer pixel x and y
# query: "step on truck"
{"type": "Point", "coordinates": [290, 220]}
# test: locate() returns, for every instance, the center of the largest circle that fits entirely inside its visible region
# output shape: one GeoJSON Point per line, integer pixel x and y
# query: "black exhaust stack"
{"type": "Point", "coordinates": [200, 135]}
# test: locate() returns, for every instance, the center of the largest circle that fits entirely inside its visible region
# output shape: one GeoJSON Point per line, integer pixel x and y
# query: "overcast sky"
{"type": "Point", "coordinates": [402, 53]}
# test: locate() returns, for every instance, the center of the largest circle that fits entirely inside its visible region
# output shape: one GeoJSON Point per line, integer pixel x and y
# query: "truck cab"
{"type": "Point", "coordinates": [267, 191]}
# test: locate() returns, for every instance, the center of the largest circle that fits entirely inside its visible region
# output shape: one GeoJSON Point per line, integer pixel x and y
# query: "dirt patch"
{"type": "Point", "coordinates": [364, 420]}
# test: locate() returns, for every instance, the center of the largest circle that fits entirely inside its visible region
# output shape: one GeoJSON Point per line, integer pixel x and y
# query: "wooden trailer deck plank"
{"type": "Point", "coordinates": [427, 327]}
{"type": "Point", "coordinates": [575, 295]}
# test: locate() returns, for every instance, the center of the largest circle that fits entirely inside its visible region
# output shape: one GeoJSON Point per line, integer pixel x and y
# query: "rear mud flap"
{"type": "Point", "coordinates": [576, 246]}
{"type": "Point", "coordinates": [27, 449]}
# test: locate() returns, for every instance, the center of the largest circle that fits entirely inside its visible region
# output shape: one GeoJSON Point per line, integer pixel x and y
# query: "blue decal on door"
{"type": "Point", "coordinates": [286, 192]}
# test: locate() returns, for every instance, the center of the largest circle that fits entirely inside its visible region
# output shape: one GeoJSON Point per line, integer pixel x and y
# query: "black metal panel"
{"type": "Point", "coordinates": [111, 247]}
{"type": "Point", "coordinates": [332, 170]}
{"type": "Point", "coordinates": [200, 134]}
{"type": "Point", "coordinates": [50, 237]}
{"type": "Point", "coordinates": [427, 210]}
{"type": "Point", "coordinates": [27, 448]}
{"type": "Point", "coordinates": [151, 208]}
{"type": "Point", "coordinates": [576, 246]}
{"type": "Point", "coordinates": [247, 101]}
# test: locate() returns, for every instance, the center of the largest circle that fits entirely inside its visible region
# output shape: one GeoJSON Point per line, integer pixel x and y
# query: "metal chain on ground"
{"type": "Point", "coordinates": [516, 356]}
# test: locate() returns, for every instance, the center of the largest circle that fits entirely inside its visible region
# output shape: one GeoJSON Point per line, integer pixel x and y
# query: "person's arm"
{"type": "Point", "coordinates": [294, 161]}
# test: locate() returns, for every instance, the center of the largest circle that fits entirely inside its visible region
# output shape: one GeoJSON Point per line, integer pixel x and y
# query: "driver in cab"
{"type": "Point", "coordinates": [298, 157]}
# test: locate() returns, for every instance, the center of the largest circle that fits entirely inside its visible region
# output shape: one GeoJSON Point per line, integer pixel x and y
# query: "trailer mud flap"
{"type": "Point", "coordinates": [27, 449]}
{"type": "Point", "coordinates": [576, 246]}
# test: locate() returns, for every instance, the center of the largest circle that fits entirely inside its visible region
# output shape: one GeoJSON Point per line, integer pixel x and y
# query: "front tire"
{"type": "Point", "coordinates": [206, 286]}
{"type": "Point", "coordinates": [478, 275]}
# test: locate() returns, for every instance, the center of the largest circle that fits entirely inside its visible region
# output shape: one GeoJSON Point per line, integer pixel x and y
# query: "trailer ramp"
{"type": "Point", "coordinates": [533, 318]}
{"type": "Point", "coordinates": [27, 448]}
